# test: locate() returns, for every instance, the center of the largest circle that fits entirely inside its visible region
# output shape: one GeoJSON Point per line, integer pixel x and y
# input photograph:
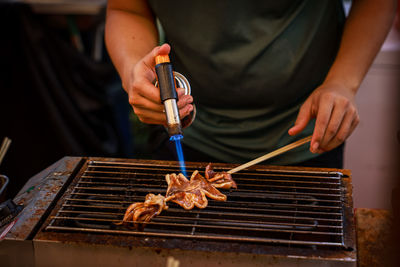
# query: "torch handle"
{"type": "Point", "coordinates": [165, 78]}
{"type": "Point", "coordinates": [169, 97]}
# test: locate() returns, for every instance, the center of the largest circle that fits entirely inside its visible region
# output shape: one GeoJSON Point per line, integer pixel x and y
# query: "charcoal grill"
{"type": "Point", "coordinates": [278, 215]}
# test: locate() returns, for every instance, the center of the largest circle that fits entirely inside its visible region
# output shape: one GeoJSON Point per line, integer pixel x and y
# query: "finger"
{"type": "Point", "coordinates": [150, 116]}
{"type": "Point", "coordinates": [354, 124]}
{"type": "Point", "coordinates": [184, 100]}
{"type": "Point", "coordinates": [185, 111]}
{"type": "Point", "coordinates": [147, 64]}
{"type": "Point", "coordinates": [146, 89]}
{"type": "Point", "coordinates": [347, 126]}
{"type": "Point", "coordinates": [335, 122]}
{"type": "Point", "coordinates": [302, 119]}
{"type": "Point", "coordinates": [137, 101]}
{"type": "Point", "coordinates": [164, 49]}
{"type": "Point", "coordinates": [154, 117]}
{"type": "Point", "coordinates": [180, 92]}
{"type": "Point", "coordinates": [147, 96]}
{"type": "Point", "coordinates": [149, 59]}
{"type": "Point", "coordinates": [322, 120]}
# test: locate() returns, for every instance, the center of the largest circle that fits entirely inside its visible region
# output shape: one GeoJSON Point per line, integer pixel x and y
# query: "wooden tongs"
{"type": "Point", "coordinates": [272, 154]}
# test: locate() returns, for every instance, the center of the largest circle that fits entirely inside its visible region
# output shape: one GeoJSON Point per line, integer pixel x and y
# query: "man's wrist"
{"type": "Point", "coordinates": [349, 82]}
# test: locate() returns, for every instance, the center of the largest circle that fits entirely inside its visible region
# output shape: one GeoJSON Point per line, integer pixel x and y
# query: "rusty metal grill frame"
{"type": "Point", "coordinates": [286, 206]}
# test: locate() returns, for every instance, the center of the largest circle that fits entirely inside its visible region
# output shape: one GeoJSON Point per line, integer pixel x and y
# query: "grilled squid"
{"type": "Point", "coordinates": [138, 214]}
{"type": "Point", "coordinates": [186, 193]}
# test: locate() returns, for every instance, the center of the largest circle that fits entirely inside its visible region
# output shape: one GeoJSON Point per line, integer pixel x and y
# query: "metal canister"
{"type": "Point", "coordinates": [182, 82]}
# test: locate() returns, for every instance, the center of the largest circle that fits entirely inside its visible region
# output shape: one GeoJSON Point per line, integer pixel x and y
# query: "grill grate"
{"type": "Point", "coordinates": [288, 207]}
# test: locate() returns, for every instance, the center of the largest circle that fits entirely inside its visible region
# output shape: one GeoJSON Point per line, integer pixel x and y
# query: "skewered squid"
{"type": "Point", "coordinates": [184, 192]}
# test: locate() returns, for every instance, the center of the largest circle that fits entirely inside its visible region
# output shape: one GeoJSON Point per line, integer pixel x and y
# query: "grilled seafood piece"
{"type": "Point", "coordinates": [184, 192]}
{"type": "Point", "coordinates": [138, 214]}
{"type": "Point", "coordinates": [219, 179]}
{"type": "Point", "coordinates": [191, 193]}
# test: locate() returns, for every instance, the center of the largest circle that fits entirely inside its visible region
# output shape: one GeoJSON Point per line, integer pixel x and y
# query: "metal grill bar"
{"type": "Point", "coordinates": [219, 207]}
{"type": "Point", "coordinates": [90, 185]}
{"type": "Point", "coordinates": [254, 204]}
{"type": "Point", "coordinates": [264, 229]}
{"type": "Point", "coordinates": [167, 218]}
{"type": "Point", "coordinates": [148, 166]}
{"type": "Point", "coordinates": [247, 215]}
{"type": "Point", "coordinates": [150, 175]}
{"type": "Point", "coordinates": [270, 205]}
{"type": "Point", "coordinates": [206, 237]}
{"type": "Point", "coordinates": [242, 194]}
{"type": "Point", "coordinates": [272, 187]}
{"type": "Point", "coordinates": [281, 177]}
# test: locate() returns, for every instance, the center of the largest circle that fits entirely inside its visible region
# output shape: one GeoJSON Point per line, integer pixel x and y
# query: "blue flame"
{"type": "Point", "coordinates": [177, 138]}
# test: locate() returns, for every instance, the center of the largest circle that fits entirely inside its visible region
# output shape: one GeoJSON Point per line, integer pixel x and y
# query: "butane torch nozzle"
{"type": "Point", "coordinates": [174, 126]}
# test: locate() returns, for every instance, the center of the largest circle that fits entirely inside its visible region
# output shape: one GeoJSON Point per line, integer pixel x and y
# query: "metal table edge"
{"type": "Point", "coordinates": [44, 188]}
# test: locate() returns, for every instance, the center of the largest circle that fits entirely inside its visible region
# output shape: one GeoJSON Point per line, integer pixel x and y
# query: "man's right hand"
{"type": "Point", "coordinates": [144, 97]}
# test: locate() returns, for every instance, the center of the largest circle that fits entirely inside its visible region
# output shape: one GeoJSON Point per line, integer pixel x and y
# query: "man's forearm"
{"type": "Point", "coordinates": [365, 30]}
{"type": "Point", "coordinates": [129, 37]}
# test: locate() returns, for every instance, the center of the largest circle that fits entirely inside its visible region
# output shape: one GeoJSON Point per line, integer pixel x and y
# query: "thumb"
{"type": "Point", "coordinates": [163, 50]}
{"type": "Point", "coordinates": [149, 59]}
{"type": "Point", "coordinates": [302, 120]}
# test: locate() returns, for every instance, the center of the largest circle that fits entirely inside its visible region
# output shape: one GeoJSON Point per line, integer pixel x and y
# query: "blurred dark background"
{"type": "Point", "coordinates": [59, 93]}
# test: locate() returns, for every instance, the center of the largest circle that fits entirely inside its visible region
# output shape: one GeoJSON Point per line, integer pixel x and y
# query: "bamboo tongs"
{"type": "Point", "coordinates": [272, 154]}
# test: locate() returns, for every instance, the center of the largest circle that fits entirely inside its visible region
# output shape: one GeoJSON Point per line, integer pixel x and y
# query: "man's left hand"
{"type": "Point", "coordinates": [336, 116]}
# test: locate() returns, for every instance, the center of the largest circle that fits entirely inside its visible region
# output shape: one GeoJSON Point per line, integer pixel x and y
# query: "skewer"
{"type": "Point", "coordinates": [272, 154]}
{"type": "Point", "coordinates": [4, 147]}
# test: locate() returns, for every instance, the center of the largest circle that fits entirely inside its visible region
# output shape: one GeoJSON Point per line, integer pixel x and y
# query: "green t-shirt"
{"type": "Point", "coordinates": [251, 65]}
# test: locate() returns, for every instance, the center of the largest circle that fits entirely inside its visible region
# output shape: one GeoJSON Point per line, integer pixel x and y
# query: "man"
{"type": "Point", "coordinates": [261, 71]}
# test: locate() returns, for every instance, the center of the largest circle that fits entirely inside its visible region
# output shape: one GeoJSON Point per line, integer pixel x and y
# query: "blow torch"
{"type": "Point", "coordinates": [167, 81]}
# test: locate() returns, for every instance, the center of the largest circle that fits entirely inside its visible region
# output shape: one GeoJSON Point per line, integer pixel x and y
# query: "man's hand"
{"type": "Point", "coordinates": [144, 97]}
{"type": "Point", "coordinates": [332, 104]}
{"type": "Point", "coordinates": [336, 116]}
